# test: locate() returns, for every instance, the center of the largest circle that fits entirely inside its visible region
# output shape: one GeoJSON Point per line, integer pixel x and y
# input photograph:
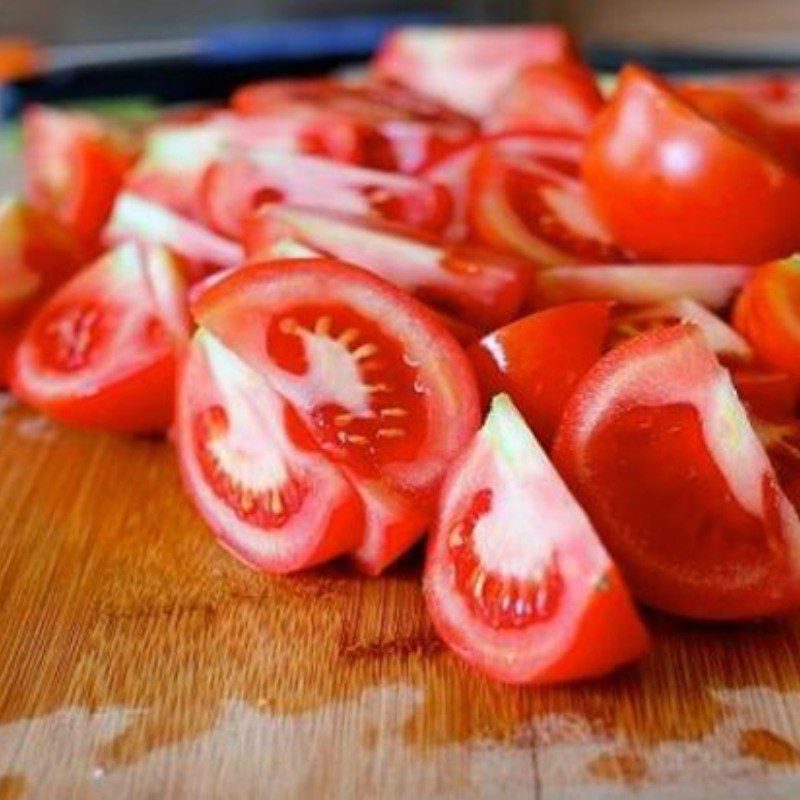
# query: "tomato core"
{"type": "Point", "coordinates": [70, 336]}
{"type": "Point", "coordinates": [500, 601]}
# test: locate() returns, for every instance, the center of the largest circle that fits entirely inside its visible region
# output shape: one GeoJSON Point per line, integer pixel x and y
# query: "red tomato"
{"type": "Point", "coordinates": [659, 450]}
{"type": "Point", "coordinates": [767, 314]}
{"type": "Point", "coordinates": [540, 359]}
{"type": "Point", "coordinates": [712, 285]}
{"type": "Point", "coordinates": [137, 219]}
{"type": "Point", "coordinates": [233, 187]}
{"type": "Point", "coordinates": [468, 67]}
{"type": "Point", "coordinates": [522, 206]}
{"type": "Point", "coordinates": [74, 165]}
{"type": "Point", "coordinates": [481, 287]}
{"type": "Point", "coordinates": [253, 472]}
{"type": "Point", "coordinates": [560, 98]}
{"type": "Point", "coordinates": [453, 170]}
{"type": "Point", "coordinates": [771, 395]}
{"type": "Point", "coordinates": [379, 124]}
{"type": "Point", "coordinates": [382, 386]}
{"type": "Point", "coordinates": [102, 351]}
{"type": "Point", "coordinates": [516, 580]}
{"type": "Point", "coordinates": [672, 185]}
{"type": "Point", "coordinates": [37, 254]}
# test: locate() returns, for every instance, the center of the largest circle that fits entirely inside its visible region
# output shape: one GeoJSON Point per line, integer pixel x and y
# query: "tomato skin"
{"type": "Point", "coordinates": [330, 519]}
{"type": "Point", "coordinates": [560, 98]}
{"type": "Point", "coordinates": [767, 314]}
{"type": "Point", "coordinates": [581, 624]}
{"type": "Point", "coordinates": [467, 67]}
{"type": "Point", "coordinates": [656, 424]}
{"type": "Point", "coordinates": [539, 360]}
{"type": "Point", "coordinates": [75, 165]}
{"type": "Point", "coordinates": [121, 366]}
{"type": "Point", "coordinates": [478, 287]}
{"type": "Point", "coordinates": [710, 195]}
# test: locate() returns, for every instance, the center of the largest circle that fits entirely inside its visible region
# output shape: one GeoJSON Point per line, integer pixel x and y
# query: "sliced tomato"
{"type": "Point", "coordinates": [379, 124]}
{"type": "Point", "coordinates": [37, 254]}
{"type": "Point", "coordinates": [522, 206]}
{"type": "Point", "coordinates": [468, 67]}
{"type": "Point", "coordinates": [710, 194]}
{"type": "Point", "coordinates": [74, 165]}
{"type": "Point", "coordinates": [137, 219]}
{"type": "Point", "coordinates": [712, 285]}
{"type": "Point", "coordinates": [254, 474]}
{"type": "Point", "coordinates": [384, 389]}
{"type": "Point", "coordinates": [233, 187]}
{"type": "Point", "coordinates": [540, 359]}
{"type": "Point", "coordinates": [478, 286]}
{"type": "Point", "coordinates": [560, 98]}
{"type": "Point", "coordinates": [453, 171]}
{"type": "Point", "coordinates": [659, 450]}
{"type": "Point", "coordinates": [780, 436]}
{"type": "Point", "coordinates": [767, 314]}
{"type": "Point", "coordinates": [763, 390]}
{"type": "Point", "coordinates": [516, 580]}
{"type": "Point", "coordinates": [103, 350]}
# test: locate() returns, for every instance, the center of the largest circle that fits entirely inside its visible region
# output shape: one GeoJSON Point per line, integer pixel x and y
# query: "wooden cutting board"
{"type": "Point", "coordinates": [137, 659]}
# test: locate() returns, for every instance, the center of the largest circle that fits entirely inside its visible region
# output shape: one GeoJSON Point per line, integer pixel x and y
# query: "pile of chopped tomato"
{"type": "Point", "coordinates": [466, 295]}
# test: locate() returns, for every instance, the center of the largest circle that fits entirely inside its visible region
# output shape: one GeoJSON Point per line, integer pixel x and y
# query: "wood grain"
{"type": "Point", "coordinates": [137, 659]}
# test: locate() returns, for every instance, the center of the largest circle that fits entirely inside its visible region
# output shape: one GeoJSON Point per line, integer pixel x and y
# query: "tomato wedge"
{"type": "Point", "coordinates": [522, 206]}
{"type": "Point", "coordinates": [37, 254]}
{"type": "Point", "coordinates": [539, 360]}
{"type": "Point", "coordinates": [254, 474]}
{"type": "Point", "coordinates": [136, 219]}
{"type": "Point", "coordinates": [659, 450]}
{"type": "Point", "coordinates": [74, 165]}
{"type": "Point", "coordinates": [767, 314]}
{"type": "Point", "coordinates": [483, 288]}
{"type": "Point", "coordinates": [516, 580]}
{"type": "Point", "coordinates": [382, 386]}
{"type": "Point", "coordinates": [710, 193]}
{"type": "Point", "coordinates": [379, 124]}
{"type": "Point", "coordinates": [468, 67]}
{"type": "Point", "coordinates": [102, 351]}
{"type": "Point", "coordinates": [558, 98]}
{"type": "Point", "coordinates": [712, 285]}
{"type": "Point", "coordinates": [233, 187]}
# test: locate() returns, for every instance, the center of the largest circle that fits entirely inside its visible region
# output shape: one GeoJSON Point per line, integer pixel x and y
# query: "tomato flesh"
{"type": "Point", "coordinates": [514, 566]}
{"type": "Point", "coordinates": [540, 359]}
{"type": "Point", "coordinates": [272, 499]}
{"type": "Point", "coordinates": [103, 350]}
{"type": "Point", "coordinates": [659, 450]}
{"type": "Point", "coordinates": [480, 287]}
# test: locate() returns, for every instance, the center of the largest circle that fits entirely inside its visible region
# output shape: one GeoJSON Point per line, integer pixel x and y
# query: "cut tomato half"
{"type": "Point", "coordinates": [468, 67]}
{"type": "Point", "coordinates": [37, 254]}
{"type": "Point", "coordinates": [136, 219]}
{"type": "Point", "coordinates": [522, 206]}
{"type": "Point", "coordinates": [382, 386]}
{"type": "Point", "coordinates": [712, 285]}
{"type": "Point", "coordinates": [481, 287]}
{"type": "Point", "coordinates": [561, 98]}
{"type": "Point", "coordinates": [659, 450]}
{"type": "Point", "coordinates": [674, 185]}
{"type": "Point", "coordinates": [539, 360]}
{"type": "Point", "coordinates": [102, 351]}
{"type": "Point", "coordinates": [74, 165]}
{"type": "Point", "coordinates": [271, 497]}
{"type": "Point", "coordinates": [516, 580]}
{"type": "Point", "coordinates": [233, 187]}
